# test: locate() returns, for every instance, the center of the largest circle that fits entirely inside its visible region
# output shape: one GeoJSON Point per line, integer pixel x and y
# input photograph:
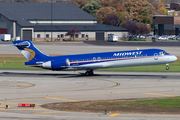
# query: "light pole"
{"type": "Point", "coordinates": [51, 20]}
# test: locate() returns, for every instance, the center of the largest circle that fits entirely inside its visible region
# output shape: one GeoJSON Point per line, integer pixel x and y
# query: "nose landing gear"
{"type": "Point", "coordinates": [167, 67]}
{"type": "Point", "coordinates": [89, 73]}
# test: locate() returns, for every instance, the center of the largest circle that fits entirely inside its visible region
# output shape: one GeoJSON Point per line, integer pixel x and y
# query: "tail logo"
{"type": "Point", "coordinates": [28, 53]}
{"type": "Point", "coordinates": [29, 50]}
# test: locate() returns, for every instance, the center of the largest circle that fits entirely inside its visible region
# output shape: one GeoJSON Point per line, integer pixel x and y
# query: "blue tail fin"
{"type": "Point", "coordinates": [29, 50]}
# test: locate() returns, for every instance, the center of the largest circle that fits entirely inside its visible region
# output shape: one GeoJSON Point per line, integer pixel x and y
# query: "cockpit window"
{"type": "Point", "coordinates": [163, 53]}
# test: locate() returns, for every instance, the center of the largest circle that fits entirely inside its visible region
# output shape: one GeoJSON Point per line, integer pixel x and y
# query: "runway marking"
{"type": "Point", "coordinates": [114, 115]}
{"type": "Point", "coordinates": [117, 84]}
{"type": "Point", "coordinates": [61, 99]}
{"type": "Point", "coordinates": [159, 94]}
{"type": "Point", "coordinates": [50, 112]}
{"type": "Point", "coordinates": [3, 106]}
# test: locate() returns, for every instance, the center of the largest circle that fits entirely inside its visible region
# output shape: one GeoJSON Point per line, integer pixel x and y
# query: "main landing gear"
{"type": "Point", "coordinates": [89, 73]}
{"type": "Point", "coordinates": [167, 67]}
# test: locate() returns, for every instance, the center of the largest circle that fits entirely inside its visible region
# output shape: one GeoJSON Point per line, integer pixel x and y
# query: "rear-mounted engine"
{"type": "Point", "coordinates": [56, 64]}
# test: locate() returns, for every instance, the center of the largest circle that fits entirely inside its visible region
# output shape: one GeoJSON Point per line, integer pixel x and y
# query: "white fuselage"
{"type": "Point", "coordinates": [125, 62]}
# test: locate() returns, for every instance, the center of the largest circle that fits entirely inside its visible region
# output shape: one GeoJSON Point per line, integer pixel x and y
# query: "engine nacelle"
{"type": "Point", "coordinates": [56, 64]}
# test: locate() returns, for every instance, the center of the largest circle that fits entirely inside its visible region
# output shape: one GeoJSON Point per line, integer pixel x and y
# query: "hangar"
{"type": "Point", "coordinates": [168, 25]}
{"type": "Point", "coordinates": [47, 21]}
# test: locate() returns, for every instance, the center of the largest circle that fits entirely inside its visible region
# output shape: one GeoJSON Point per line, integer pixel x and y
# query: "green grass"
{"type": "Point", "coordinates": [18, 63]}
{"type": "Point", "coordinates": [173, 102]}
{"type": "Point", "coordinates": [14, 63]}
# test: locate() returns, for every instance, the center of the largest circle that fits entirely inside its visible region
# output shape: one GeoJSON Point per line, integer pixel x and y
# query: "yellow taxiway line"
{"type": "Point", "coordinates": [50, 112]}
{"type": "Point", "coordinates": [61, 99]}
{"type": "Point", "coordinates": [115, 114]}
{"type": "Point", "coordinates": [17, 103]}
{"type": "Point", "coordinates": [159, 94]}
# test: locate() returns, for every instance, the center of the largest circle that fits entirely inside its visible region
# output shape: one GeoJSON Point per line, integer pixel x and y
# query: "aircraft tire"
{"type": "Point", "coordinates": [167, 68]}
{"type": "Point", "coordinates": [89, 73]}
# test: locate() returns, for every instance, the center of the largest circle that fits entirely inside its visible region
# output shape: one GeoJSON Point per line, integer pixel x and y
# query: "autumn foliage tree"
{"type": "Point", "coordinates": [92, 7]}
{"type": "Point", "coordinates": [112, 19]}
{"type": "Point", "coordinates": [103, 12]}
{"type": "Point", "coordinates": [139, 10]}
{"type": "Point", "coordinates": [136, 28]}
{"type": "Point", "coordinates": [111, 3]}
{"type": "Point", "coordinates": [79, 3]}
{"type": "Point", "coordinates": [72, 32]}
{"type": "Point", "coordinates": [131, 26]}
{"type": "Point", "coordinates": [143, 29]}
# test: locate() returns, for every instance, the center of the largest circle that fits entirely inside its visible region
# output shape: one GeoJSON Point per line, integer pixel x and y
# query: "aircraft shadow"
{"type": "Point", "coordinates": [79, 75]}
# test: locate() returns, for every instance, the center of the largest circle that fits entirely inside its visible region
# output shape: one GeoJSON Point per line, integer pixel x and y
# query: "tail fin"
{"type": "Point", "coordinates": [29, 50]}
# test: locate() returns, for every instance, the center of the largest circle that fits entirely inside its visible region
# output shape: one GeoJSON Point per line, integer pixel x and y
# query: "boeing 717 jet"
{"type": "Point", "coordinates": [92, 61]}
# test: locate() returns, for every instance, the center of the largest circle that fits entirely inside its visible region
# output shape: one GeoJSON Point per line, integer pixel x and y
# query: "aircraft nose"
{"type": "Point", "coordinates": [173, 58]}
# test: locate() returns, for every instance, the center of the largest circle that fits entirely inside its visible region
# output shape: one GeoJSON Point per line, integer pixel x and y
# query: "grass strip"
{"type": "Point", "coordinates": [159, 106]}
{"type": "Point", "coordinates": [15, 63]}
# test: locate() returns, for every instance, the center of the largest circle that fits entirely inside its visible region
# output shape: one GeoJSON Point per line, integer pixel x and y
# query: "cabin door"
{"type": "Point", "coordinates": [155, 56]}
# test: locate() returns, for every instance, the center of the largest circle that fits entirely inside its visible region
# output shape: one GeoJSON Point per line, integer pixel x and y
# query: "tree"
{"type": "Point", "coordinates": [112, 3]}
{"type": "Point", "coordinates": [143, 29]}
{"type": "Point", "coordinates": [112, 19]}
{"type": "Point", "coordinates": [72, 32]}
{"type": "Point", "coordinates": [103, 12]}
{"type": "Point", "coordinates": [92, 7]}
{"type": "Point", "coordinates": [136, 28]}
{"type": "Point", "coordinates": [163, 10]}
{"type": "Point", "coordinates": [79, 3]}
{"type": "Point", "coordinates": [131, 26]}
{"type": "Point", "coordinates": [139, 10]}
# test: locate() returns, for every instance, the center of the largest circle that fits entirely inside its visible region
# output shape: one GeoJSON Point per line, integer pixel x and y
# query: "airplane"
{"type": "Point", "coordinates": [93, 61]}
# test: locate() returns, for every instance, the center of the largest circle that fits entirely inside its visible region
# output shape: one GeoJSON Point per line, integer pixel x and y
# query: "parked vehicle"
{"type": "Point", "coordinates": [177, 37]}
{"type": "Point", "coordinates": [162, 38]}
{"type": "Point", "coordinates": [171, 37]}
{"type": "Point", "coordinates": [139, 37]}
{"type": "Point", "coordinates": [142, 37]}
{"type": "Point", "coordinates": [5, 37]}
{"type": "Point", "coordinates": [113, 38]}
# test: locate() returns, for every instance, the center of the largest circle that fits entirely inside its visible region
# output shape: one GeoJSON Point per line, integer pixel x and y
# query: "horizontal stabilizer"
{"type": "Point", "coordinates": [20, 44]}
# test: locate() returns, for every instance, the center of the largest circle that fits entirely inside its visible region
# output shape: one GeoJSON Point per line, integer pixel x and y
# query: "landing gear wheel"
{"type": "Point", "coordinates": [89, 73]}
{"type": "Point", "coordinates": [167, 68]}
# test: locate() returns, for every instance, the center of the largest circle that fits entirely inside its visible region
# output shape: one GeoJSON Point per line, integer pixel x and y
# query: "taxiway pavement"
{"type": "Point", "coordinates": [89, 47]}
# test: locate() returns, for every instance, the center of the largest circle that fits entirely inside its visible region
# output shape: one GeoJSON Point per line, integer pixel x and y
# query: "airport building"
{"type": "Point", "coordinates": [51, 21]}
{"type": "Point", "coordinates": [168, 25]}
